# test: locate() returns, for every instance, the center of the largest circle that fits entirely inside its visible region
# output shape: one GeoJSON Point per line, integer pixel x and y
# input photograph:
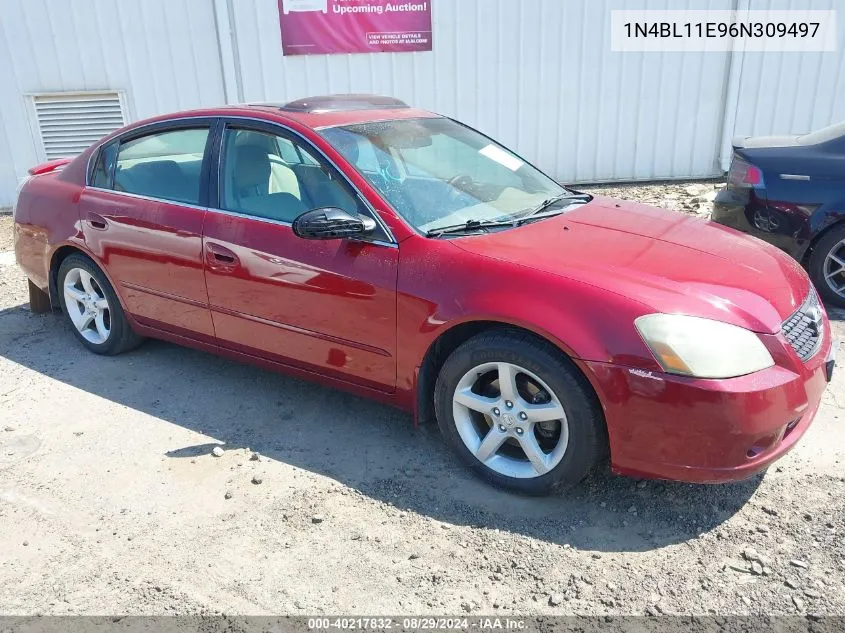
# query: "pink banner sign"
{"type": "Point", "coordinates": [326, 27]}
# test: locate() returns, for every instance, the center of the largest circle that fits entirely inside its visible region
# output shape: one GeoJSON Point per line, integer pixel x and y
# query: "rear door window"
{"type": "Point", "coordinates": [104, 167]}
{"type": "Point", "coordinates": [166, 165]}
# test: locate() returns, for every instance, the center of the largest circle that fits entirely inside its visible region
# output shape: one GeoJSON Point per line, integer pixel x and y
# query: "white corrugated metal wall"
{"type": "Point", "coordinates": [784, 93]}
{"type": "Point", "coordinates": [537, 74]}
{"type": "Point", "coordinates": [162, 53]}
{"type": "Point", "coordinates": [531, 74]}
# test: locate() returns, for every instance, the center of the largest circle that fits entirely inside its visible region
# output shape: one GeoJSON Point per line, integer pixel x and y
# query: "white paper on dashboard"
{"type": "Point", "coordinates": [502, 157]}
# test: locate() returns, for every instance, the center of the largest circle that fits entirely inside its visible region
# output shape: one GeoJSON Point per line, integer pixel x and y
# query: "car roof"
{"type": "Point", "coordinates": [312, 112]}
{"type": "Point", "coordinates": [318, 118]}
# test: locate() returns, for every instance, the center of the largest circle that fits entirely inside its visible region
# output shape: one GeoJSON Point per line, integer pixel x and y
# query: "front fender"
{"type": "Point", "coordinates": [585, 322]}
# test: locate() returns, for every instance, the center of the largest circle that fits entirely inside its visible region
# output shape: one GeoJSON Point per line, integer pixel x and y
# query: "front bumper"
{"type": "Point", "coordinates": [709, 431]}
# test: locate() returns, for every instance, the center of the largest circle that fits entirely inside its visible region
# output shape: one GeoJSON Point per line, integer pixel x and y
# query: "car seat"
{"type": "Point", "coordinates": [247, 187]}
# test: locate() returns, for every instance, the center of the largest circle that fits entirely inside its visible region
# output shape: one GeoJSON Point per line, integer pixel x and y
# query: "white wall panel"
{"type": "Point", "coordinates": [537, 74]}
{"type": "Point", "coordinates": [792, 93]}
{"type": "Point", "coordinates": [162, 53]}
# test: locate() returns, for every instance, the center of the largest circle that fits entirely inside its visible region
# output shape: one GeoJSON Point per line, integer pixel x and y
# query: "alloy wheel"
{"type": "Point", "coordinates": [834, 268]}
{"type": "Point", "coordinates": [87, 305]}
{"type": "Point", "coordinates": [510, 420]}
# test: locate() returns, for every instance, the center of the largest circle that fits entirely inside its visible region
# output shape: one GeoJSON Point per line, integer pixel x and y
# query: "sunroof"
{"type": "Point", "coordinates": [342, 103]}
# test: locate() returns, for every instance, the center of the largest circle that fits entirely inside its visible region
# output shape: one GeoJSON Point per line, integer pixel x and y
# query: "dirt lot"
{"type": "Point", "coordinates": [112, 502]}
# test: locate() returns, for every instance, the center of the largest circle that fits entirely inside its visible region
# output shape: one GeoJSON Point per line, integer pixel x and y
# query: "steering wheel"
{"type": "Point", "coordinates": [459, 184]}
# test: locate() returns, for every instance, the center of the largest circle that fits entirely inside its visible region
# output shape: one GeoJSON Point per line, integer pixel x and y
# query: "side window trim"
{"type": "Point", "coordinates": [278, 129]}
{"type": "Point", "coordinates": [210, 173]}
{"type": "Point", "coordinates": [110, 173]}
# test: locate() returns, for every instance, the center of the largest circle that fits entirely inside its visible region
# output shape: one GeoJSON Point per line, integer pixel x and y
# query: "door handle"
{"type": "Point", "coordinates": [220, 256]}
{"type": "Point", "coordinates": [97, 221]}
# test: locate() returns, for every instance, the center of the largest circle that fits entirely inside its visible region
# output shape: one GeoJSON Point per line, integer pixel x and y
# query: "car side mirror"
{"type": "Point", "coordinates": [331, 223]}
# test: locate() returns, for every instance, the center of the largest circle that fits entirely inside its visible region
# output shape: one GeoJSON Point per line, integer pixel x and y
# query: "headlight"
{"type": "Point", "coordinates": [692, 346]}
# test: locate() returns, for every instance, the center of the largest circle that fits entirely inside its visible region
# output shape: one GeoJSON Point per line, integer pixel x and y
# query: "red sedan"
{"type": "Point", "coordinates": [406, 257]}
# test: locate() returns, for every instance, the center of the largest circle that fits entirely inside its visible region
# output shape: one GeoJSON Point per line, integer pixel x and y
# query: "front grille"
{"type": "Point", "coordinates": [805, 328]}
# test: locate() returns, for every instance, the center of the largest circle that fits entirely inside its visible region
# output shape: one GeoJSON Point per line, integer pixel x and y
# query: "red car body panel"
{"type": "Point", "coordinates": [668, 260]}
{"type": "Point", "coordinates": [153, 250]}
{"type": "Point", "coordinates": [363, 316]}
{"type": "Point", "coordinates": [709, 430]}
{"type": "Point", "coordinates": [325, 306]}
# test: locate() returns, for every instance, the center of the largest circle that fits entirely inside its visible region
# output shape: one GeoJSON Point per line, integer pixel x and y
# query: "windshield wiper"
{"type": "Point", "coordinates": [533, 213]}
{"type": "Point", "coordinates": [527, 216]}
{"type": "Point", "coordinates": [469, 225]}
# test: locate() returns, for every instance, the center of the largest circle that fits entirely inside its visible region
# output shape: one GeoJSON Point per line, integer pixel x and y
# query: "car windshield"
{"type": "Point", "coordinates": [438, 173]}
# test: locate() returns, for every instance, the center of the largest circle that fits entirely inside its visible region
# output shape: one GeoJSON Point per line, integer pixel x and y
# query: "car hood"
{"type": "Point", "coordinates": [667, 261]}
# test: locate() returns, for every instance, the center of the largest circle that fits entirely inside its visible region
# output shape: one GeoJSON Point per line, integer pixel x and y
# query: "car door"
{"type": "Point", "coordinates": [324, 306]}
{"type": "Point", "coordinates": [142, 216]}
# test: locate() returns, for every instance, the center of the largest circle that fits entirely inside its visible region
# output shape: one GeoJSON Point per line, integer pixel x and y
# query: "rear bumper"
{"type": "Point", "coordinates": [707, 431]}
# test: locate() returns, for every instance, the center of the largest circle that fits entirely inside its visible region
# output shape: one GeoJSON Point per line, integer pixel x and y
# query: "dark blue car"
{"type": "Point", "coordinates": [790, 192]}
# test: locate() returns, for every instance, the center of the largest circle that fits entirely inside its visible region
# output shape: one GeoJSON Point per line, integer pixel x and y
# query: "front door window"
{"type": "Point", "coordinates": [270, 176]}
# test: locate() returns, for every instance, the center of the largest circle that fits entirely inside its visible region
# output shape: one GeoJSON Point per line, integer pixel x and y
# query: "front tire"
{"type": "Point", "coordinates": [92, 308]}
{"type": "Point", "coordinates": [519, 413]}
{"type": "Point", "coordinates": [827, 266]}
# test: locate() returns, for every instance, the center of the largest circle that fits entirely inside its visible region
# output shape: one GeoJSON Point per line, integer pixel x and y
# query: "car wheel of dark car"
{"type": "Point", "coordinates": [92, 307]}
{"type": "Point", "coordinates": [827, 266]}
{"type": "Point", "coordinates": [518, 413]}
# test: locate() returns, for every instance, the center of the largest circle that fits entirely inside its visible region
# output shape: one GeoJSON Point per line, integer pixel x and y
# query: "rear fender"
{"type": "Point", "coordinates": [823, 221]}
{"type": "Point", "coordinates": [80, 247]}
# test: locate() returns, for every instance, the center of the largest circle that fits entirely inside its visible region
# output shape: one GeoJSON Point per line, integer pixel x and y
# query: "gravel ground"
{"type": "Point", "coordinates": [695, 198]}
{"type": "Point", "coordinates": [5, 230]}
{"type": "Point", "coordinates": [112, 499]}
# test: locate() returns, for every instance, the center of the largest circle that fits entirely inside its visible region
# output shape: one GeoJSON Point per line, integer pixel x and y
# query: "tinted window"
{"type": "Point", "coordinates": [101, 176]}
{"type": "Point", "coordinates": [165, 165]}
{"type": "Point", "coordinates": [270, 176]}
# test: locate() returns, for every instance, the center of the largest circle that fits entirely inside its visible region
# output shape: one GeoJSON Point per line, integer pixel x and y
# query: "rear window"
{"type": "Point", "coordinates": [166, 165]}
{"type": "Point", "coordinates": [104, 167]}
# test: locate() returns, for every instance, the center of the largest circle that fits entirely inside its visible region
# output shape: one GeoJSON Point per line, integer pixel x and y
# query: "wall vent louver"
{"type": "Point", "coordinates": [70, 122]}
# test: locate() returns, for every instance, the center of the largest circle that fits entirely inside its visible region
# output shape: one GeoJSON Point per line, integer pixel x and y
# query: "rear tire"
{"type": "Point", "coordinates": [543, 432]}
{"type": "Point", "coordinates": [92, 308]}
{"type": "Point", "coordinates": [827, 266]}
